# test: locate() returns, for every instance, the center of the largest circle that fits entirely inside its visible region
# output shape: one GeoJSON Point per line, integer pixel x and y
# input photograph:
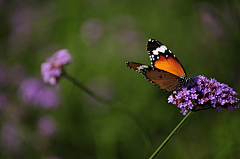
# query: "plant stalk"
{"type": "Point", "coordinates": [171, 135]}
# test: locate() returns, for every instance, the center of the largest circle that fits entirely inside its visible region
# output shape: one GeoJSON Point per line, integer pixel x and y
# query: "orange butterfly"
{"type": "Point", "coordinates": [165, 71]}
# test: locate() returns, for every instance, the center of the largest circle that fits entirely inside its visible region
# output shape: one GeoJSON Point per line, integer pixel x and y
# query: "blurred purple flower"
{"type": "Point", "coordinates": [3, 74]}
{"type": "Point", "coordinates": [125, 30]}
{"type": "Point", "coordinates": [46, 126]}
{"type": "Point", "coordinates": [18, 71]}
{"type": "Point", "coordinates": [3, 101]}
{"type": "Point", "coordinates": [22, 21]}
{"type": "Point", "coordinates": [92, 30]}
{"type": "Point", "coordinates": [207, 92]}
{"type": "Point", "coordinates": [208, 15]}
{"type": "Point", "coordinates": [8, 74]}
{"type": "Point", "coordinates": [35, 92]}
{"type": "Point", "coordinates": [10, 136]}
{"type": "Point", "coordinates": [51, 69]}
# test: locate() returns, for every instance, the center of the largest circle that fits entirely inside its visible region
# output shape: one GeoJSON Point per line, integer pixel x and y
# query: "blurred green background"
{"type": "Point", "coordinates": [101, 35]}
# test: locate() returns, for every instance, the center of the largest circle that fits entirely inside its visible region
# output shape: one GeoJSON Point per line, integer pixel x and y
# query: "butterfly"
{"type": "Point", "coordinates": [165, 71]}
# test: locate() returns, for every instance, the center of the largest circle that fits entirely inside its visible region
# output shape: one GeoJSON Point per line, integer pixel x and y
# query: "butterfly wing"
{"type": "Point", "coordinates": [162, 58]}
{"type": "Point", "coordinates": [160, 78]}
{"type": "Point", "coordinates": [165, 71]}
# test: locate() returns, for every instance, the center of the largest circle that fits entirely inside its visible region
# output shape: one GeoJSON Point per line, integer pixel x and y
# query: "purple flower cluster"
{"type": "Point", "coordinates": [51, 69]}
{"type": "Point", "coordinates": [201, 91]}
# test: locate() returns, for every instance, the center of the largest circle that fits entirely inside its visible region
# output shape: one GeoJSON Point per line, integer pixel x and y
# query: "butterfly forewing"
{"type": "Point", "coordinates": [162, 58]}
{"type": "Point", "coordinates": [138, 67]}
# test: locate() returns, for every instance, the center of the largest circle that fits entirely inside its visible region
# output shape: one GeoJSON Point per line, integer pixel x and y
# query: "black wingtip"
{"type": "Point", "coordinates": [127, 63]}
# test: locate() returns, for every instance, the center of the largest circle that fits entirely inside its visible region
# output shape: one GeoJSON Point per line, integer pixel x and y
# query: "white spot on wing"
{"type": "Point", "coordinates": [155, 52]}
{"type": "Point", "coordinates": [161, 49]}
{"type": "Point", "coordinates": [142, 67]}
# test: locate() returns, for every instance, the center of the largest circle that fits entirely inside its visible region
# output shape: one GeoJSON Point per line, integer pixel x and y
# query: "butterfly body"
{"type": "Point", "coordinates": [165, 71]}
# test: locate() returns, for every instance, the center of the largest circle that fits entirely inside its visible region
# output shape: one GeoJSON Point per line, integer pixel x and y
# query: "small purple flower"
{"type": "Point", "coordinates": [179, 95]}
{"type": "Point", "coordinates": [170, 99]}
{"type": "Point", "coordinates": [206, 90]}
{"type": "Point", "coordinates": [218, 91]}
{"type": "Point", "coordinates": [219, 109]}
{"type": "Point", "coordinates": [193, 90]}
{"type": "Point", "coordinates": [189, 103]}
{"type": "Point", "coordinates": [185, 91]}
{"type": "Point", "coordinates": [230, 108]}
{"type": "Point", "coordinates": [184, 111]}
{"type": "Point", "coordinates": [237, 106]}
{"type": "Point", "coordinates": [203, 92]}
{"type": "Point", "coordinates": [200, 101]}
{"type": "Point", "coordinates": [211, 97]}
{"type": "Point", "coordinates": [185, 98]}
{"type": "Point", "coordinates": [51, 69]}
{"type": "Point", "coordinates": [194, 96]}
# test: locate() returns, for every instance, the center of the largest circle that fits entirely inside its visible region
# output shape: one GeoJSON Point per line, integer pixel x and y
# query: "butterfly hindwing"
{"type": "Point", "coordinates": [160, 78]}
{"type": "Point", "coordinates": [162, 58]}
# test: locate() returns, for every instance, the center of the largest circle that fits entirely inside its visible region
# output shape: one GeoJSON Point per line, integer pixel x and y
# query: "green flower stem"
{"type": "Point", "coordinates": [85, 89]}
{"type": "Point", "coordinates": [171, 135]}
{"type": "Point", "coordinates": [116, 105]}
